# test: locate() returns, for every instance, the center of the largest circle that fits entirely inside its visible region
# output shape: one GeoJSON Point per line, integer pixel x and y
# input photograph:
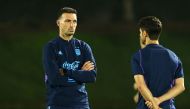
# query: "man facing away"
{"type": "Point", "coordinates": [68, 65]}
{"type": "Point", "coordinates": [157, 71]}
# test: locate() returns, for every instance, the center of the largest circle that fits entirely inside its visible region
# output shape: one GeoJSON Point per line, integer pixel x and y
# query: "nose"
{"type": "Point", "coordinates": [72, 24]}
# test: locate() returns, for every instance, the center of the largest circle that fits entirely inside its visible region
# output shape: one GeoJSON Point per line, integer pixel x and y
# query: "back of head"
{"type": "Point", "coordinates": [152, 25]}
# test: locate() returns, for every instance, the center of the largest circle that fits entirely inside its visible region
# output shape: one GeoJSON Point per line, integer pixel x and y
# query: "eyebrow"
{"type": "Point", "coordinates": [70, 20]}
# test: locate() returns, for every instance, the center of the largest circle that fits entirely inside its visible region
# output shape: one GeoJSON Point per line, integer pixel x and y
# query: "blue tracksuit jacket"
{"type": "Point", "coordinates": [68, 90]}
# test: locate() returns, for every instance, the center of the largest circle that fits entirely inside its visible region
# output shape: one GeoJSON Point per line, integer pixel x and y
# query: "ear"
{"type": "Point", "coordinates": [145, 34]}
{"type": "Point", "coordinates": [58, 22]}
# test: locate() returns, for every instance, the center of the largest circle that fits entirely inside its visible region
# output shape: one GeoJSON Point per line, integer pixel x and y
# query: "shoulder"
{"type": "Point", "coordinates": [136, 55]}
{"type": "Point", "coordinates": [172, 53]}
{"type": "Point", "coordinates": [81, 43]}
{"type": "Point", "coordinates": [51, 44]}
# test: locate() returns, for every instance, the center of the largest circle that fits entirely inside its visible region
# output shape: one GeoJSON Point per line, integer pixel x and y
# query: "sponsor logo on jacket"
{"type": "Point", "coordinates": [71, 66]}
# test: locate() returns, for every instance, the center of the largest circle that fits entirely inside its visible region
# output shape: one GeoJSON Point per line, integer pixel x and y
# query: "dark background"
{"type": "Point", "coordinates": [109, 26]}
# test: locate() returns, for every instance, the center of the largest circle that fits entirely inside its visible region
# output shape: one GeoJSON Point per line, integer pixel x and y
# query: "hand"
{"type": "Point", "coordinates": [61, 72]}
{"type": "Point", "coordinates": [157, 100]}
{"type": "Point", "coordinates": [136, 98]}
{"type": "Point", "coordinates": [151, 106]}
{"type": "Point", "coordinates": [88, 66]}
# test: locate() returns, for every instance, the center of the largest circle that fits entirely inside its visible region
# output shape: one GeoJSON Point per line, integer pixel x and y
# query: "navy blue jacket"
{"type": "Point", "coordinates": [160, 67]}
{"type": "Point", "coordinates": [68, 90]}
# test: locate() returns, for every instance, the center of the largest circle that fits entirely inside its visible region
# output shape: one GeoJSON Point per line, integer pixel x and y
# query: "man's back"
{"type": "Point", "coordinates": [160, 67]}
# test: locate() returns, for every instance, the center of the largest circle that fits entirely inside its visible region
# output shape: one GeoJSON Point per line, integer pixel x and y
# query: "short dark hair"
{"type": "Point", "coordinates": [66, 10]}
{"type": "Point", "coordinates": [152, 25]}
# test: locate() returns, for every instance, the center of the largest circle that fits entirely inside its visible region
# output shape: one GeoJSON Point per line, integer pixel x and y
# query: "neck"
{"type": "Point", "coordinates": [152, 42]}
{"type": "Point", "coordinates": [64, 37]}
{"type": "Point", "coordinates": [148, 41]}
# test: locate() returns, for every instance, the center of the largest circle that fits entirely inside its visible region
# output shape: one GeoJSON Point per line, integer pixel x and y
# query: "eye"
{"type": "Point", "coordinates": [74, 21]}
{"type": "Point", "coordinates": [67, 20]}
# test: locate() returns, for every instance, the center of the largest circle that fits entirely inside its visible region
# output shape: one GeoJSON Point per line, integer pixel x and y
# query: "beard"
{"type": "Point", "coordinates": [142, 43]}
{"type": "Point", "coordinates": [69, 34]}
{"type": "Point", "coordinates": [142, 40]}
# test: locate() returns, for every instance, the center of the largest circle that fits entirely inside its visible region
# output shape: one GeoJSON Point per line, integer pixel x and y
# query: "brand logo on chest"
{"type": "Point", "coordinates": [71, 66]}
{"type": "Point", "coordinates": [77, 51]}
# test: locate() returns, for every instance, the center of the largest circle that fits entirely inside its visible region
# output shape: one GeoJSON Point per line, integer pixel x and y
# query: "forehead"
{"type": "Point", "coordinates": [71, 16]}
